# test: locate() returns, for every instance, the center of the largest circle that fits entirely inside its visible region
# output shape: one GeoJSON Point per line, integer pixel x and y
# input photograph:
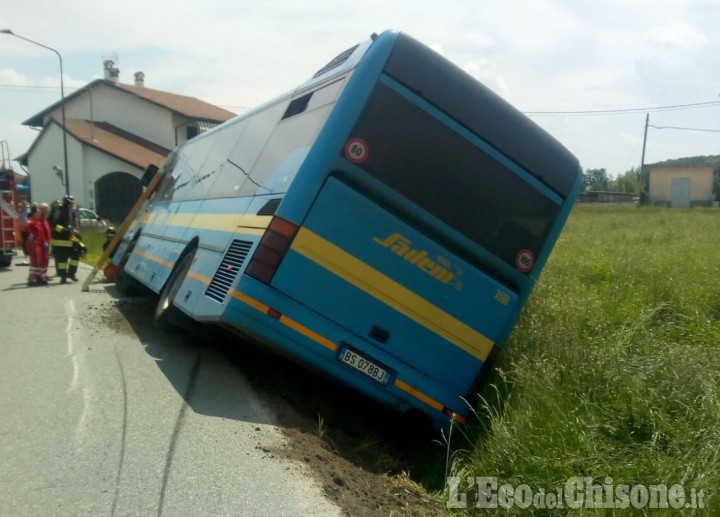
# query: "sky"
{"type": "Point", "coordinates": [587, 72]}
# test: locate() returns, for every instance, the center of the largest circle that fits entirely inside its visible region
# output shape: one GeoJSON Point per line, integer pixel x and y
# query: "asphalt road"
{"type": "Point", "coordinates": [98, 417]}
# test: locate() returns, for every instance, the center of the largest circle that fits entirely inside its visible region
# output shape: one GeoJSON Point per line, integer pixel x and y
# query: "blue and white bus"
{"type": "Point", "coordinates": [383, 223]}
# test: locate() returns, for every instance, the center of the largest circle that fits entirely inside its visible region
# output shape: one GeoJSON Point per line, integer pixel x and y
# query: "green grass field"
{"type": "Point", "coordinates": [612, 371]}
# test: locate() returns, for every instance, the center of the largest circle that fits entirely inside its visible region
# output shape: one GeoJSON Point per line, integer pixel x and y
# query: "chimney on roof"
{"type": "Point", "coordinates": [139, 79]}
{"type": "Point", "coordinates": [111, 72]}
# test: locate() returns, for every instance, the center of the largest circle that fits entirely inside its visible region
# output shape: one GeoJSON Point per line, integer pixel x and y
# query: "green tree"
{"type": "Point", "coordinates": [596, 179]}
{"type": "Point", "coordinates": [626, 182]}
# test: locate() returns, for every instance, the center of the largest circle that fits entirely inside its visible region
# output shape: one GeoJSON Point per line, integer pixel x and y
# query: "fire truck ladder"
{"type": "Point", "coordinates": [7, 223]}
{"type": "Point", "coordinates": [8, 215]}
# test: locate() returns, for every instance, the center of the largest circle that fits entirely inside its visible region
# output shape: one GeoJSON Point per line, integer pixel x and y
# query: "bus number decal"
{"type": "Point", "coordinates": [524, 260]}
{"type": "Point", "coordinates": [356, 150]}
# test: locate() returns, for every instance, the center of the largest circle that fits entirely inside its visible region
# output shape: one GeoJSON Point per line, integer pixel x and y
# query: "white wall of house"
{"type": "Point", "coordinates": [100, 103]}
{"type": "Point", "coordinates": [87, 165]}
{"type": "Point", "coordinates": [125, 111]}
{"type": "Point", "coordinates": [48, 152]}
{"type": "Point", "coordinates": [96, 165]}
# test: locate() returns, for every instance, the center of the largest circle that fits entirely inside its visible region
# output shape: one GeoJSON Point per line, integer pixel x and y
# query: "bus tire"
{"type": "Point", "coordinates": [167, 316]}
{"type": "Point", "coordinates": [124, 283]}
{"type": "Point", "coordinates": [127, 285]}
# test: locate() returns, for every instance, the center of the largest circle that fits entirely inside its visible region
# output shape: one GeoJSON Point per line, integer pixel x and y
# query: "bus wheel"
{"type": "Point", "coordinates": [127, 285]}
{"type": "Point", "coordinates": [167, 316]}
{"type": "Point", "coordinates": [124, 283]}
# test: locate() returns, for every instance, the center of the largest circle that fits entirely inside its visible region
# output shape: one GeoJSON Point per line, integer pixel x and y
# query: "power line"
{"type": "Point", "coordinates": [624, 111]}
{"type": "Point", "coordinates": [33, 88]}
{"type": "Point", "coordinates": [29, 87]}
{"type": "Point", "coordinates": [686, 128]}
{"type": "Point", "coordinates": [44, 89]}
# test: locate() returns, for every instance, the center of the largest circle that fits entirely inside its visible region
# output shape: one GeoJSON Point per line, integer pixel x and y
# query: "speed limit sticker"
{"type": "Point", "coordinates": [524, 260]}
{"type": "Point", "coordinates": [356, 150]}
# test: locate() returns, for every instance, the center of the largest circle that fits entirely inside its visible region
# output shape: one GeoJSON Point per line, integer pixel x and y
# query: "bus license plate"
{"type": "Point", "coordinates": [364, 365]}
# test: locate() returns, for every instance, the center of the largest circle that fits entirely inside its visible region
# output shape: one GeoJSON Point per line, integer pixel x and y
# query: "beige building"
{"type": "Point", "coordinates": [680, 186]}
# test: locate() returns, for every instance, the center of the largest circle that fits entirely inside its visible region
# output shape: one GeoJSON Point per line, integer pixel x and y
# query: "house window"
{"type": "Point", "coordinates": [192, 132]}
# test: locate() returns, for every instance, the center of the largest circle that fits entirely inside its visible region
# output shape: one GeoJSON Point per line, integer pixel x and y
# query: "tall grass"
{"type": "Point", "coordinates": [614, 367]}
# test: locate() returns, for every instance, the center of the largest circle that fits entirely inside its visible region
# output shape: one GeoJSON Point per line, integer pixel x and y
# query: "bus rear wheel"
{"type": "Point", "coordinates": [167, 316]}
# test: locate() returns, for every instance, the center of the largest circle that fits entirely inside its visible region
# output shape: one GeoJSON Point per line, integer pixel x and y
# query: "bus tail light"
{"type": "Point", "coordinates": [272, 248]}
{"type": "Point", "coordinates": [454, 416]}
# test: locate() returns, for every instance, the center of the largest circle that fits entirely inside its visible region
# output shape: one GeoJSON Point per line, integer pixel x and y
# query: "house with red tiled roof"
{"type": "Point", "coordinates": [113, 132]}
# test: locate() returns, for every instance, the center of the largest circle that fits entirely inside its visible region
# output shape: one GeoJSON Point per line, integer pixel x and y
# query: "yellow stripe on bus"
{"type": "Point", "coordinates": [418, 395]}
{"type": "Point", "coordinates": [249, 223]}
{"type": "Point", "coordinates": [427, 400]}
{"type": "Point", "coordinates": [302, 329]}
{"type": "Point", "coordinates": [391, 293]}
{"type": "Point", "coordinates": [252, 302]}
{"type": "Point", "coordinates": [148, 256]}
{"type": "Point", "coordinates": [195, 276]}
{"type": "Point", "coordinates": [288, 322]}
{"type": "Point", "coordinates": [202, 279]}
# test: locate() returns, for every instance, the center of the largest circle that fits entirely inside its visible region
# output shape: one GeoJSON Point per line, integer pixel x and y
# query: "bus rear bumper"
{"type": "Point", "coordinates": [293, 330]}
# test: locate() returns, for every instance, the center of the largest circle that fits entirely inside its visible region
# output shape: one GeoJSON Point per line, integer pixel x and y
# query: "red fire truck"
{"type": "Point", "coordinates": [10, 234]}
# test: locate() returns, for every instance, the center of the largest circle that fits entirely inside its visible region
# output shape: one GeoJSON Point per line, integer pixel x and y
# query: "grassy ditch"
{"type": "Point", "coordinates": [612, 371]}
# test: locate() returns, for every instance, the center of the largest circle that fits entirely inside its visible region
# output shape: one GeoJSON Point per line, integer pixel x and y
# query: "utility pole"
{"type": "Point", "coordinates": [643, 193]}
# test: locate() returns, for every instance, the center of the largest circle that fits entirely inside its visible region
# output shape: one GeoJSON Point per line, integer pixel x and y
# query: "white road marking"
{"type": "Point", "coordinates": [76, 358]}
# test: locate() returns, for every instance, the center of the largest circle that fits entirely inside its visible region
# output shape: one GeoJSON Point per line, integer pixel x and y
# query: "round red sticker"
{"type": "Point", "coordinates": [524, 260]}
{"type": "Point", "coordinates": [356, 150]}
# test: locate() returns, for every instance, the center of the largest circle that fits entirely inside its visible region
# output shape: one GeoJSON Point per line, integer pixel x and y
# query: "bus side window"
{"type": "Point", "coordinates": [256, 132]}
{"type": "Point", "coordinates": [281, 178]}
{"type": "Point", "coordinates": [290, 142]}
{"type": "Point", "coordinates": [212, 159]}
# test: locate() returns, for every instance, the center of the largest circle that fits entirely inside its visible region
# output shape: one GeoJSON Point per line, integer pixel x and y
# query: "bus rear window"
{"type": "Point", "coordinates": [445, 174]}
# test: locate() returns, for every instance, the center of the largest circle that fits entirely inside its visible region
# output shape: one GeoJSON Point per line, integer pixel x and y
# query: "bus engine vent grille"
{"type": "Point", "coordinates": [270, 207]}
{"type": "Point", "coordinates": [228, 270]}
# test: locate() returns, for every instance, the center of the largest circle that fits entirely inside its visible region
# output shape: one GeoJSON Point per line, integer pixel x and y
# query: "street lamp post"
{"type": "Point", "coordinates": [62, 102]}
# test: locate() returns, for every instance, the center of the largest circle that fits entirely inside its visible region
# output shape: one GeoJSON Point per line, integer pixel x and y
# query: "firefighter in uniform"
{"type": "Point", "coordinates": [78, 250]}
{"type": "Point", "coordinates": [61, 226]}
